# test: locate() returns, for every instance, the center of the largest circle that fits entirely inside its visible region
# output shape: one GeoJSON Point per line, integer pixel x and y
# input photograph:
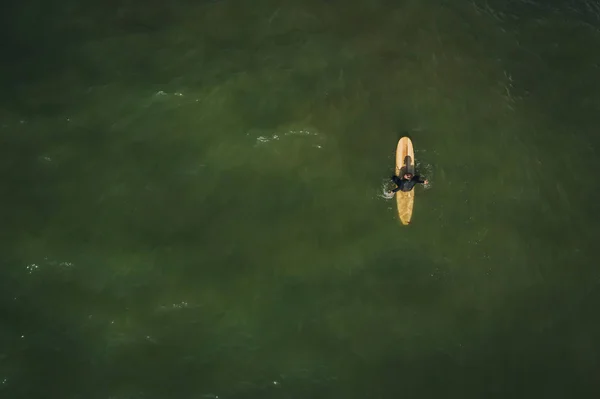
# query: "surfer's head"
{"type": "Point", "coordinates": [408, 176]}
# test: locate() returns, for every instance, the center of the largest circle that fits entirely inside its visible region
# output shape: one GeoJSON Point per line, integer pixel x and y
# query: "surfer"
{"type": "Point", "coordinates": [407, 182]}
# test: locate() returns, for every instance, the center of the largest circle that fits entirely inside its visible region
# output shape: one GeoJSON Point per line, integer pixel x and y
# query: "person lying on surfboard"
{"type": "Point", "coordinates": [407, 182]}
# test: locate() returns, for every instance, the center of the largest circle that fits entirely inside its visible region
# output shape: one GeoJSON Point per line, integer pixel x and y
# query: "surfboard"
{"type": "Point", "coordinates": [405, 163]}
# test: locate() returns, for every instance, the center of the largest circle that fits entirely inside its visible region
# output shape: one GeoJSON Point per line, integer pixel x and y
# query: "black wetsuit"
{"type": "Point", "coordinates": [406, 185]}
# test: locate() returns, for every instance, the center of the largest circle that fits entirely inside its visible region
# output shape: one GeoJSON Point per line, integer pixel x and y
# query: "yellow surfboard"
{"type": "Point", "coordinates": [405, 163]}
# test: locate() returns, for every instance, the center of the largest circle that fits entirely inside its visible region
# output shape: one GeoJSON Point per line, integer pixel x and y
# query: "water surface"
{"type": "Point", "coordinates": [192, 200]}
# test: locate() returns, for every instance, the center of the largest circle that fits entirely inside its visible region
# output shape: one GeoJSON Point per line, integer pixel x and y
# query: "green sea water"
{"type": "Point", "coordinates": [192, 200]}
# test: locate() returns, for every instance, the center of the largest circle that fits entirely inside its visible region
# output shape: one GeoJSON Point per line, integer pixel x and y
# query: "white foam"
{"type": "Point", "coordinates": [48, 263]}
{"type": "Point", "coordinates": [32, 267]}
{"type": "Point", "coordinates": [264, 139]}
{"type": "Point", "coordinates": [385, 190]}
{"type": "Point", "coordinates": [162, 93]}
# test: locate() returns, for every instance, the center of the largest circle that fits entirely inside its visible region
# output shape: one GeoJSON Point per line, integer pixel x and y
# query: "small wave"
{"type": "Point", "coordinates": [267, 138]}
{"type": "Point", "coordinates": [174, 306]}
{"type": "Point", "coordinates": [47, 264]}
{"type": "Point", "coordinates": [161, 93]}
{"type": "Point", "coordinates": [301, 132]}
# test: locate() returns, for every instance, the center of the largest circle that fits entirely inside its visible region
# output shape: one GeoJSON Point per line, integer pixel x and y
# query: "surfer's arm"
{"type": "Point", "coordinates": [418, 179]}
{"type": "Point", "coordinates": [396, 181]}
